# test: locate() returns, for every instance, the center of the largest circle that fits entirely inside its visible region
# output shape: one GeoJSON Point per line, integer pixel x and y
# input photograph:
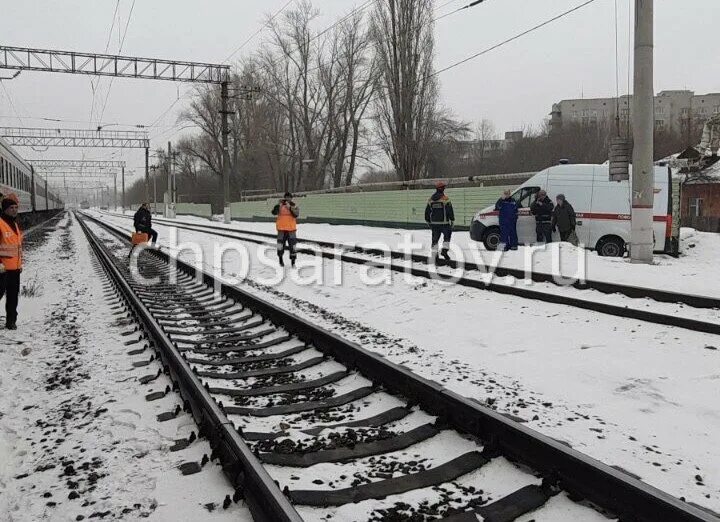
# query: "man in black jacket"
{"type": "Point", "coordinates": [440, 216]}
{"type": "Point", "coordinates": [542, 209]}
{"type": "Point", "coordinates": [143, 222]}
{"type": "Point", "coordinates": [564, 220]}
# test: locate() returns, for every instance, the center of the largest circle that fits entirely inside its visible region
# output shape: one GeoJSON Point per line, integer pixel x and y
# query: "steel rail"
{"type": "Point", "coordinates": [580, 475]}
{"type": "Point", "coordinates": [264, 498]}
{"type": "Point", "coordinates": [527, 293]}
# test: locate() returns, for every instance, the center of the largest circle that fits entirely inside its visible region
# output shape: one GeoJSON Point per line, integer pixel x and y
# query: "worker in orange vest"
{"type": "Point", "coordinates": [286, 212]}
{"type": "Point", "coordinates": [11, 238]}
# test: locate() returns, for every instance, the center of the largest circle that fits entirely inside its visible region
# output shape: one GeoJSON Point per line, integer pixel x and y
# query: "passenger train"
{"type": "Point", "coordinates": [19, 178]}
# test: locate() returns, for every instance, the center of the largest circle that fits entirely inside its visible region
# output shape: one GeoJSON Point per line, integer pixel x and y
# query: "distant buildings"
{"type": "Point", "coordinates": [681, 112]}
{"type": "Point", "coordinates": [468, 151]}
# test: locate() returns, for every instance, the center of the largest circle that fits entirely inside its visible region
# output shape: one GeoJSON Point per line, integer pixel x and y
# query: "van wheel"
{"type": "Point", "coordinates": [610, 247]}
{"type": "Point", "coordinates": [491, 239]}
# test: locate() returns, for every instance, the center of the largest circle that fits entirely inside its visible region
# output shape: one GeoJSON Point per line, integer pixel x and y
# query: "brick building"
{"type": "Point", "coordinates": [700, 199]}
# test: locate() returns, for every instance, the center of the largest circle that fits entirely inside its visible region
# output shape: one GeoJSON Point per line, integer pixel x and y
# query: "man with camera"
{"type": "Point", "coordinates": [286, 212]}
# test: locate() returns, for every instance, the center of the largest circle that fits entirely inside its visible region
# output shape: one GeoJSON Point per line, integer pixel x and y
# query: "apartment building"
{"type": "Point", "coordinates": [675, 111]}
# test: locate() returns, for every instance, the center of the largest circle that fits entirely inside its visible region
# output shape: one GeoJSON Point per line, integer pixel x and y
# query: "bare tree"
{"type": "Point", "coordinates": [407, 103]}
{"type": "Point", "coordinates": [359, 75]}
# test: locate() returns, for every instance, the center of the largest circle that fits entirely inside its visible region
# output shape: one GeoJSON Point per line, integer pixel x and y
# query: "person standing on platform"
{"type": "Point", "coordinates": [286, 213]}
{"type": "Point", "coordinates": [11, 239]}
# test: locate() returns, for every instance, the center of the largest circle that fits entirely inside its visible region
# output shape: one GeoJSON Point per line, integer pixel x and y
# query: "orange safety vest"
{"type": "Point", "coordinates": [10, 246]}
{"type": "Point", "coordinates": [286, 221]}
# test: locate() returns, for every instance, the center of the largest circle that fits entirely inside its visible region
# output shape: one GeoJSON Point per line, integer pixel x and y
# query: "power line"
{"type": "Point", "coordinates": [95, 84]}
{"type": "Point", "coordinates": [260, 30]}
{"type": "Point", "coordinates": [122, 43]}
{"type": "Point", "coordinates": [12, 104]}
{"type": "Point", "coordinates": [511, 39]}
{"type": "Point", "coordinates": [468, 6]}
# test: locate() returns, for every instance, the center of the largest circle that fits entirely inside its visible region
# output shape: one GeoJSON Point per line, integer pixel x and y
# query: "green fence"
{"type": "Point", "coordinates": [397, 208]}
{"type": "Point", "coordinates": [195, 209]}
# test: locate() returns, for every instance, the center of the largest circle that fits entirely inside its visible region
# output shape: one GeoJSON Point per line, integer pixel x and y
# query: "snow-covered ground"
{"type": "Point", "coordinates": [78, 439]}
{"type": "Point", "coordinates": [690, 273]}
{"type": "Point", "coordinates": [637, 395]}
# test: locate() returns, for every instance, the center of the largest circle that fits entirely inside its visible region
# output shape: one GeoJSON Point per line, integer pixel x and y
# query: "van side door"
{"type": "Point", "coordinates": [526, 221]}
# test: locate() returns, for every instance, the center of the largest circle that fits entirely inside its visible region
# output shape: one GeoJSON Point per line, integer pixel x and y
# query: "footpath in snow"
{"type": "Point", "coordinates": [78, 439]}
{"type": "Point", "coordinates": [637, 395]}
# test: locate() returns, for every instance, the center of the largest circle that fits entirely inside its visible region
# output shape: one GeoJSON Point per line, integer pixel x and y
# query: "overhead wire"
{"type": "Point", "coordinates": [260, 30]}
{"type": "Point", "coordinates": [12, 104]}
{"type": "Point", "coordinates": [511, 39]}
{"type": "Point", "coordinates": [94, 83]}
{"type": "Point", "coordinates": [122, 43]}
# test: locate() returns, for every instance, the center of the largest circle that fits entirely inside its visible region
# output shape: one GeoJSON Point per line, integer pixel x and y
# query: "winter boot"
{"type": "Point", "coordinates": [446, 254]}
{"type": "Point", "coordinates": [282, 261]}
{"type": "Point", "coordinates": [292, 261]}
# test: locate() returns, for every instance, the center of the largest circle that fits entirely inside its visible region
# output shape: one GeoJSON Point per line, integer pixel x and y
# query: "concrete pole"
{"type": "Point", "coordinates": [115, 198]}
{"type": "Point", "coordinates": [225, 152]}
{"type": "Point", "coordinates": [170, 206]}
{"type": "Point", "coordinates": [123, 189]}
{"type": "Point", "coordinates": [147, 174]}
{"type": "Point", "coordinates": [643, 174]}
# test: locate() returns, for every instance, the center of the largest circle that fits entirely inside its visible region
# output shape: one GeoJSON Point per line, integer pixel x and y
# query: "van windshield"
{"type": "Point", "coordinates": [525, 196]}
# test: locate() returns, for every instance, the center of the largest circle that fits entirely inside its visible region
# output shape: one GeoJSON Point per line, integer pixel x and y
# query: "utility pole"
{"type": "Point", "coordinates": [169, 203]}
{"type": "Point", "coordinates": [147, 173]}
{"type": "Point", "coordinates": [123, 189]}
{"type": "Point", "coordinates": [643, 174]}
{"type": "Point", "coordinates": [115, 191]}
{"type": "Point", "coordinates": [154, 177]}
{"type": "Point", "coordinates": [225, 152]}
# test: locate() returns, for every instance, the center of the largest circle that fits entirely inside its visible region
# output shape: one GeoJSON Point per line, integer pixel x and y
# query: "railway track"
{"type": "Point", "coordinates": [634, 308]}
{"type": "Point", "coordinates": [310, 426]}
{"type": "Point", "coordinates": [656, 294]}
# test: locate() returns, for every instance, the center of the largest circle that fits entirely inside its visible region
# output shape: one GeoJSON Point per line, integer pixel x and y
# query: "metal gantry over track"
{"type": "Point", "coordinates": [72, 62]}
{"type": "Point", "coordinates": [67, 164]}
{"type": "Point", "coordinates": [43, 137]}
{"type": "Point", "coordinates": [68, 173]}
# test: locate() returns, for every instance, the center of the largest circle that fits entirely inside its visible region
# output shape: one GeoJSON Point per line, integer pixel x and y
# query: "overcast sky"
{"type": "Point", "coordinates": [514, 86]}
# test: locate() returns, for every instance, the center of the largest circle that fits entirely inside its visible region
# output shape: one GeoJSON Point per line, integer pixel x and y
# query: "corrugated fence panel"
{"type": "Point", "coordinates": [383, 207]}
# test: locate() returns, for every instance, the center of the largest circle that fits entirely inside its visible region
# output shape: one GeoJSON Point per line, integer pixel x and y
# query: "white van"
{"type": "Point", "coordinates": [602, 207]}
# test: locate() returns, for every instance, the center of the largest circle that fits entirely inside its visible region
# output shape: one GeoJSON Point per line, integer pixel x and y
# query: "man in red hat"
{"type": "Point", "coordinates": [440, 216]}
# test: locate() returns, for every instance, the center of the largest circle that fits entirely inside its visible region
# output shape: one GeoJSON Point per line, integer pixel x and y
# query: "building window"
{"type": "Point", "coordinates": [716, 110]}
{"type": "Point", "coordinates": [659, 110]}
{"type": "Point", "coordinates": [696, 205]}
{"type": "Point", "coordinates": [660, 124]}
{"type": "Point", "coordinates": [685, 111]}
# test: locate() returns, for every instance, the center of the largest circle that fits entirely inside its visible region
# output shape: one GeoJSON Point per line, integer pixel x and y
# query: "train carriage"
{"type": "Point", "coordinates": [17, 177]}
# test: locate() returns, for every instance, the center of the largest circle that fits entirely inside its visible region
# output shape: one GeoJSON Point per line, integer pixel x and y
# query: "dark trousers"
{"type": "Point", "coordinates": [151, 232]}
{"type": "Point", "coordinates": [441, 230]}
{"type": "Point", "coordinates": [10, 288]}
{"type": "Point", "coordinates": [289, 238]}
{"type": "Point", "coordinates": [569, 236]}
{"type": "Point", "coordinates": [508, 235]}
{"type": "Point", "coordinates": [543, 229]}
